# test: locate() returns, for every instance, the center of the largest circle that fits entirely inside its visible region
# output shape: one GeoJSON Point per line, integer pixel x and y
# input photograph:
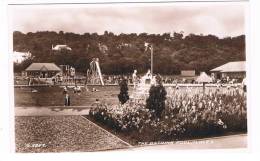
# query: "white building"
{"type": "Point", "coordinates": [188, 73]}
{"type": "Point", "coordinates": [19, 57]}
{"type": "Point", "coordinates": [61, 47]}
{"type": "Point", "coordinates": [102, 48]}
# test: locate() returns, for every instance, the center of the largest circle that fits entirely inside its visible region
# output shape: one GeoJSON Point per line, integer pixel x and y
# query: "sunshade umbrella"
{"type": "Point", "coordinates": [204, 78]}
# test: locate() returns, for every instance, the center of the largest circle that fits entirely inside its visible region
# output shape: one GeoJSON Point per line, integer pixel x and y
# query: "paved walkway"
{"type": "Point", "coordinates": [52, 111]}
{"type": "Point", "coordinates": [223, 142]}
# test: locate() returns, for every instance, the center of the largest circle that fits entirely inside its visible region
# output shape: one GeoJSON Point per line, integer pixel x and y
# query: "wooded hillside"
{"type": "Point", "coordinates": [121, 54]}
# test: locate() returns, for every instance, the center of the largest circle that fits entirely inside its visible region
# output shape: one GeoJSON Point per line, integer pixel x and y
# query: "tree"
{"type": "Point", "coordinates": [156, 99]}
{"type": "Point", "coordinates": [123, 95]}
{"type": "Point", "coordinates": [178, 36]}
{"type": "Point", "coordinates": [105, 33]}
{"type": "Point", "coordinates": [166, 36]}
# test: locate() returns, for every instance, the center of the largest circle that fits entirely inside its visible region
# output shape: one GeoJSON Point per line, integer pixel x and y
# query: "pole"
{"type": "Point", "coordinates": [151, 60]}
{"type": "Point", "coordinates": [204, 87]}
{"type": "Point", "coordinates": [99, 73]}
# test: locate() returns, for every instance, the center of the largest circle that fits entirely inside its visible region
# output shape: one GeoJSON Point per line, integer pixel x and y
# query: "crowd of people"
{"type": "Point", "coordinates": [115, 79]}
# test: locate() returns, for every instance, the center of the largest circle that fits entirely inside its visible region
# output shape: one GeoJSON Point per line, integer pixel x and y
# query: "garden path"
{"type": "Point", "coordinates": [52, 110]}
{"type": "Point", "coordinates": [223, 142]}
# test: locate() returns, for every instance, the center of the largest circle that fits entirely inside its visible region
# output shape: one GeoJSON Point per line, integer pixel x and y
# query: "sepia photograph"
{"type": "Point", "coordinates": [129, 76]}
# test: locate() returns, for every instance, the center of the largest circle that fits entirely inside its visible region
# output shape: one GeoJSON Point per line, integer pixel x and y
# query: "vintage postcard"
{"type": "Point", "coordinates": [129, 76]}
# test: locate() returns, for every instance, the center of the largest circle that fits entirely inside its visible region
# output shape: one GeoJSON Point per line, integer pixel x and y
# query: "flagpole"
{"type": "Point", "coordinates": [150, 46]}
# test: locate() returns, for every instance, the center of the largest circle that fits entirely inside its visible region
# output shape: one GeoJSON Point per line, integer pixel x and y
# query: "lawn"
{"type": "Point", "coordinates": [53, 96]}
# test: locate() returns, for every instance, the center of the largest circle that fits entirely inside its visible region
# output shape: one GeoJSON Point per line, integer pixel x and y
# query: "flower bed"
{"type": "Point", "coordinates": [186, 115]}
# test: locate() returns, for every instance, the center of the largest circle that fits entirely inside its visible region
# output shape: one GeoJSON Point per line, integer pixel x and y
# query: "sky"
{"type": "Point", "coordinates": [220, 19]}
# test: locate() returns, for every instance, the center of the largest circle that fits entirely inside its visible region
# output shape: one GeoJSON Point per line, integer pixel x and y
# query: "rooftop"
{"type": "Point", "coordinates": [43, 67]}
{"type": "Point", "coordinates": [238, 66]}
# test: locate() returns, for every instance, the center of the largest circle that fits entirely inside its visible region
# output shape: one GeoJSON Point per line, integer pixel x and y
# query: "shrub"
{"type": "Point", "coordinates": [123, 95]}
{"type": "Point", "coordinates": [156, 99]}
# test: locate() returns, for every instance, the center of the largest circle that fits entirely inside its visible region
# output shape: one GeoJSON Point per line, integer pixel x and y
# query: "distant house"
{"type": "Point", "coordinates": [19, 57]}
{"type": "Point", "coordinates": [42, 70]}
{"type": "Point", "coordinates": [102, 48]}
{"type": "Point", "coordinates": [124, 45]}
{"type": "Point", "coordinates": [236, 70]}
{"type": "Point", "coordinates": [188, 73]}
{"type": "Point", "coordinates": [61, 47]}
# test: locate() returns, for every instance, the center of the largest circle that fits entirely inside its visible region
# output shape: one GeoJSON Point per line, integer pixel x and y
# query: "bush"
{"type": "Point", "coordinates": [186, 115]}
{"type": "Point", "coordinates": [123, 95]}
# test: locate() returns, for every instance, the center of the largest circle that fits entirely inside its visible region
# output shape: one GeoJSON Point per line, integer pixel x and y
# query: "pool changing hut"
{"type": "Point", "coordinates": [42, 70]}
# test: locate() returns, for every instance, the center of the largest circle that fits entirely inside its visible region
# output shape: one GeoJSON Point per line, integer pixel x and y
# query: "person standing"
{"type": "Point", "coordinates": [29, 81]}
{"type": "Point", "coordinates": [67, 100]}
{"type": "Point", "coordinates": [96, 103]}
{"type": "Point", "coordinates": [53, 81]}
{"type": "Point", "coordinates": [65, 90]}
{"type": "Point", "coordinates": [134, 78]}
